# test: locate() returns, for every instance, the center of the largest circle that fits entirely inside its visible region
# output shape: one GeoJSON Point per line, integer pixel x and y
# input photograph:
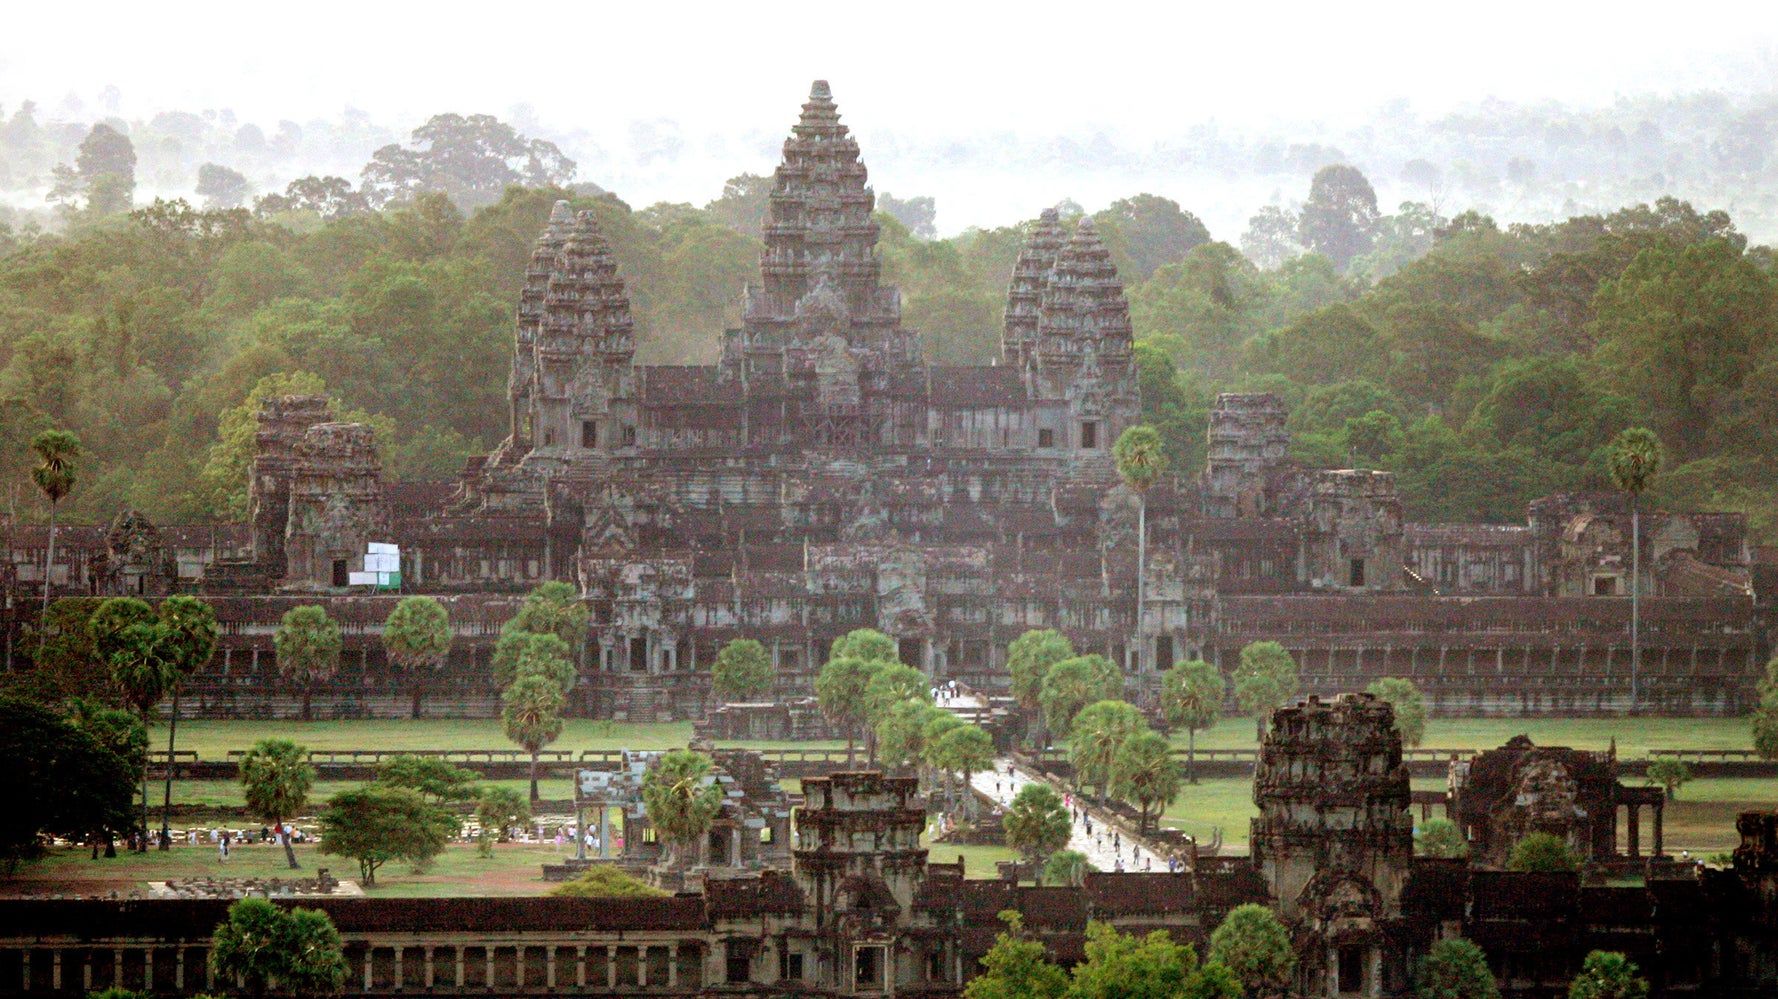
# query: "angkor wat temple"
{"type": "Point", "coordinates": [822, 477]}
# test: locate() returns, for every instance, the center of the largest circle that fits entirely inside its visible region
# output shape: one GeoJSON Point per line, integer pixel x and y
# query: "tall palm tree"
{"type": "Point", "coordinates": [57, 451]}
{"type": "Point", "coordinates": [1633, 458]}
{"type": "Point", "coordinates": [189, 640]}
{"type": "Point", "coordinates": [1140, 461]}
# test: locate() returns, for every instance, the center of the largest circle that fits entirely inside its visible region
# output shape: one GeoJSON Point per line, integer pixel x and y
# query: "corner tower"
{"type": "Point", "coordinates": [574, 344]}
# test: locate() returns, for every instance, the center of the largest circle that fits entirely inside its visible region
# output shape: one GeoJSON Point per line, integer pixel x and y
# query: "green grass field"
{"type": "Point", "coordinates": [515, 869]}
{"type": "Point", "coordinates": [1702, 820]}
{"type": "Point", "coordinates": [212, 740]}
{"type": "Point", "coordinates": [1635, 736]}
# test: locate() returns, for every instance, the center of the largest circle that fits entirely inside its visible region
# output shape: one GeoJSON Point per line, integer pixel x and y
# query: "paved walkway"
{"type": "Point", "coordinates": [1104, 846]}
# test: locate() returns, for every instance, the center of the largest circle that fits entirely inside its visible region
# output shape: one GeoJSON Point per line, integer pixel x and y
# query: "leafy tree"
{"type": "Point", "coordinates": [417, 635]}
{"type": "Point", "coordinates": [502, 809]}
{"type": "Point", "coordinates": [901, 732]}
{"type": "Point", "coordinates": [276, 778]}
{"type": "Point", "coordinates": [1067, 867]}
{"type": "Point", "coordinates": [1124, 966]}
{"type": "Point", "coordinates": [124, 739]}
{"type": "Point", "coordinates": [743, 204]}
{"type": "Point", "coordinates": [1442, 838]}
{"type": "Point", "coordinates": [1608, 974]}
{"type": "Point", "coordinates": [376, 824]}
{"type": "Point", "coordinates": [1097, 732]}
{"type": "Point", "coordinates": [683, 799]}
{"type": "Point", "coordinates": [606, 881]}
{"type": "Point", "coordinates": [839, 689]}
{"type": "Point", "coordinates": [1151, 231]}
{"type": "Point", "coordinates": [1633, 458]}
{"type": "Point", "coordinates": [329, 198]}
{"type": "Point", "coordinates": [1409, 704]}
{"type": "Point", "coordinates": [308, 646]}
{"type": "Point", "coordinates": [1255, 946]}
{"type": "Point", "coordinates": [1671, 774]}
{"type": "Point", "coordinates": [743, 670]}
{"type": "Point", "coordinates": [963, 750]}
{"type": "Point", "coordinates": [1029, 658]}
{"type": "Point", "coordinates": [522, 653]}
{"type": "Point", "coordinates": [531, 715]}
{"type": "Point", "coordinates": [554, 608]}
{"type": "Point", "coordinates": [1454, 969]}
{"type": "Point", "coordinates": [104, 173]}
{"type": "Point", "coordinates": [1036, 823]}
{"type": "Point", "coordinates": [188, 632]}
{"type": "Point", "coordinates": [438, 781]}
{"type": "Point", "coordinates": [472, 159]}
{"type": "Point", "coordinates": [61, 779]}
{"type": "Point", "coordinates": [917, 214]}
{"type": "Point", "coordinates": [1271, 237]}
{"type": "Point", "coordinates": [891, 685]}
{"type": "Point", "coordinates": [1017, 967]}
{"type": "Point", "coordinates": [1144, 774]}
{"type": "Point", "coordinates": [127, 635]}
{"type": "Point", "coordinates": [1265, 678]}
{"type": "Point", "coordinates": [1541, 851]}
{"type": "Point", "coordinates": [1340, 217]}
{"type": "Point", "coordinates": [221, 187]}
{"type": "Point", "coordinates": [260, 946]}
{"type": "Point", "coordinates": [867, 644]}
{"type": "Point", "coordinates": [1192, 693]}
{"type": "Point", "coordinates": [1141, 458]}
{"type": "Point", "coordinates": [57, 451]}
{"type": "Point", "coordinates": [1765, 720]}
{"type": "Point", "coordinates": [1072, 684]}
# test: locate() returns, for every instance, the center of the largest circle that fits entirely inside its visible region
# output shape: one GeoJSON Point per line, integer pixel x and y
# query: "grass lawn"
{"type": "Point", "coordinates": [1702, 820]}
{"type": "Point", "coordinates": [515, 869]}
{"type": "Point", "coordinates": [212, 740]}
{"type": "Point", "coordinates": [1635, 736]}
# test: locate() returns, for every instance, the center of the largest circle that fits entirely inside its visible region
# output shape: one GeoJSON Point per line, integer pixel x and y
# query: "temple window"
{"type": "Point", "coordinates": [1089, 435]}
{"type": "Point", "coordinates": [1046, 438]}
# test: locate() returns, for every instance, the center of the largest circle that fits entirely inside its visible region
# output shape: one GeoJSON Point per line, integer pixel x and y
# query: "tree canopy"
{"type": "Point", "coordinates": [379, 823]}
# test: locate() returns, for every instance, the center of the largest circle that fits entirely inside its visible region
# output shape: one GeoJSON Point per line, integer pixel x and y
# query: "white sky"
{"type": "Point", "coordinates": [731, 75]}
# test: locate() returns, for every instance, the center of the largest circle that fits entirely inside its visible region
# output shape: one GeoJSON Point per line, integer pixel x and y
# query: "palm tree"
{"type": "Point", "coordinates": [57, 450]}
{"type": "Point", "coordinates": [1633, 458]}
{"type": "Point", "coordinates": [188, 640]}
{"type": "Point", "coordinates": [1140, 461]}
{"type": "Point", "coordinates": [276, 777]}
{"type": "Point", "coordinates": [417, 634]}
{"type": "Point", "coordinates": [683, 800]}
{"type": "Point", "coordinates": [308, 646]}
{"type": "Point", "coordinates": [127, 637]}
{"type": "Point", "coordinates": [531, 712]}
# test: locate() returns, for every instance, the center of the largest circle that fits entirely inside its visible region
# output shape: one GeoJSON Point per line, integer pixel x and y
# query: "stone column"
{"type": "Point", "coordinates": [549, 967]}
{"type": "Point", "coordinates": [672, 965]}
{"type": "Point", "coordinates": [610, 966]}
{"type": "Point", "coordinates": [488, 952]}
{"type": "Point", "coordinates": [518, 967]}
{"type": "Point", "coordinates": [580, 967]}
{"type": "Point", "coordinates": [642, 966]}
{"type": "Point", "coordinates": [370, 960]}
{"type": "Point", "coordinates": [400, 980]}
{"type": "Point", "coordinates": [431, 973]}
{"type": "Point", "coordinates": [55, 970]}
{"type": "Point", "coordinates": [1635, 830]}
{"type": "Point", "coordinates": [459, 963]}
{"type": "Point", "coordinates": [148, 965]}
{"type": "Point", "coordinates": [178, 970]}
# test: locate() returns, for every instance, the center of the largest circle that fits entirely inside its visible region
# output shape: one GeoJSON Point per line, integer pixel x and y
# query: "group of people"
{"type": "Point", "coordinates": [945, 693]}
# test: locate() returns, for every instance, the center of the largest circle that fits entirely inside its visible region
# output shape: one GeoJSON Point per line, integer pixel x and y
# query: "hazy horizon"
{"type": "Point", "coordinates": [665, 107]}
